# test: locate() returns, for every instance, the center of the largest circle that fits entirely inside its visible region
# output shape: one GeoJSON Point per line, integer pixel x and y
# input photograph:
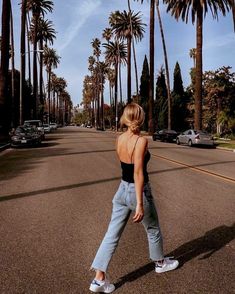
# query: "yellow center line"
{"type": "Point", "coordinates": [198, 169]}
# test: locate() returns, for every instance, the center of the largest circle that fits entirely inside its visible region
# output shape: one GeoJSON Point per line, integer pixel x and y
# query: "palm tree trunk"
{"type": "Point", "coordinates": [5, 46]}
{"type": "Point", "coordinates": [151, 69]}
{"type": "Point", "coordinates": [115, 96]}
{"type": "Point", "coordinates": [13, 118]}
{"type": "Point", "coordinates": [22, 59]}
{"type": "Point", "coordinates": [102, 107]}
{"type": "Point", "coordinates": [120, 81]}
{"type": "Point", "coordinates": [169, 100]}
{"type": "Point", "coordinates": [49, 95]}
{"type": "Point", "coordinates": [28, 44]}
{"type": "Point", "coordinates": [35, 73]}
{"type": "Point", "coordinates": [198, 84]}
{"type": "Point", "coordinates": [129, 70]}
{"type": "Point", "coordinates": [133, 47]}
{"type": "Point", "coordinates": [41, 99]}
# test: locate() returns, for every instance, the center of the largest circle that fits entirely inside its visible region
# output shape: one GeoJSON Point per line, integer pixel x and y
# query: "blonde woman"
{"type": "Point", "coordinates": [133, 195]}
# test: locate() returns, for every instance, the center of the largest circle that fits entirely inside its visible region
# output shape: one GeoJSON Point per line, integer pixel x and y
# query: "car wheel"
{"type": "Point", "coordinates": [190, 143]}
{"type": "Point", "coordinates": [177, 141]}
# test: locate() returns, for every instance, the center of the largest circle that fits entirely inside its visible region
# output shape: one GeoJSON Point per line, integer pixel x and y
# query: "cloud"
{"type": "Point", "coordinates": [220, 41]}
{"type": "Point", "coordinates": [80, 15]}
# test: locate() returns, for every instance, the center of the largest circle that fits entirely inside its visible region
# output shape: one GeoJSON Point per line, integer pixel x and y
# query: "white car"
{"type": "Point", "coordinates": [53, 126]}
{"type": "Point", "coordinates": [47, 128]}
{"type": "Point", "coordinates": [192, 137]}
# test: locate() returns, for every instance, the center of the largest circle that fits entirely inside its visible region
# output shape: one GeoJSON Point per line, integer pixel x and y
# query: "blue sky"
{"type": "Point", "coordinates": [79, 21]}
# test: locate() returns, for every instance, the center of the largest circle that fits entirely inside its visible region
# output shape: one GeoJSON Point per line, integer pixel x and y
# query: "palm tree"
{"type": "Point", "coordinates": [45, 34]}
{"type": "Point", "coordinates": [91, 63]}
{"type": "Point", "coordinates": [107, 35]}
{"type": "Point", "coordinates": [192, 54]}
{"type": "Point", "coordinates": [151, 66]}
{"type": "Point", "coordinates": [169, 99]}
{"type": "Point", "coordinates": [38, 8]}
{"type": "Point", "coordinates": [12, 72]}
{"type": "Point", "coordinates": [5, 48]}
{"type": "Point", "coordinates": [96, 52]}
{"type": "Point", "coordinates": [51, 60]}
{"type": "Point", "coordinates": [181, 9]}
{"type": "Point", "coordinates": [115, 53]}
{"type": "Point", "coordinates": [121, 26]}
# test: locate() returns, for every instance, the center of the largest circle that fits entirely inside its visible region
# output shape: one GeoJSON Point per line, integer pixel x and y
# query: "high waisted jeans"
{"type": "Point", "coordinates": [124, 202]}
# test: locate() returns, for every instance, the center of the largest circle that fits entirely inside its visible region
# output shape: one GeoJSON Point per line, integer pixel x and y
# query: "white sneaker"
{"type": "Point", "coordinates": [167, 265]}
{"type": "Point", "coordinates": [101, 286]}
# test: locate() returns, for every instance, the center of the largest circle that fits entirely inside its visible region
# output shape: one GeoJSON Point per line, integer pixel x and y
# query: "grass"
{"type": "Point", "coordinates": [227, 144]}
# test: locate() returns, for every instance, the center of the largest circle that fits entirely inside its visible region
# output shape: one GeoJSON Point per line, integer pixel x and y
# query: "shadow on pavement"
{"type": "Point", "coordinates": [208, 244]}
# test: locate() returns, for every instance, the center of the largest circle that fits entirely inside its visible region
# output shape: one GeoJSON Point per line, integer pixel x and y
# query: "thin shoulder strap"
{"type": "Point", "coordinates": [134, 148]}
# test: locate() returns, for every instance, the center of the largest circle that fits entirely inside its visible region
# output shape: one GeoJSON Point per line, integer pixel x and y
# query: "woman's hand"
{"type": "Point", "coordinates": [139, 213]}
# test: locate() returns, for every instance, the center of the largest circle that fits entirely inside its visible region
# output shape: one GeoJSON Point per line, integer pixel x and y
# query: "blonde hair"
{"type": "Point", "coordinates": [133, 117]}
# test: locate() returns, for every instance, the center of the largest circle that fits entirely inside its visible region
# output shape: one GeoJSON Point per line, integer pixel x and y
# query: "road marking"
{"type": "Point", "coordinates": [198, 169]}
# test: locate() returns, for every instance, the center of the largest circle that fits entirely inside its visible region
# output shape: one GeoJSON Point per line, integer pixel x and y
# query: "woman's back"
{"type": "Point", "coordinates": [126, 144]}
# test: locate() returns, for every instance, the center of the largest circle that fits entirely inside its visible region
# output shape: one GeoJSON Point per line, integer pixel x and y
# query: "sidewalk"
{"type": "Point", "coordinates": [4, 142]}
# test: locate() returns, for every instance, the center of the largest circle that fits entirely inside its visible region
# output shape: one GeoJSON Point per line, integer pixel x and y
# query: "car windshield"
{"type": "Point", "coordinates": [201, 132]}
{"type": "Point", "coordinates": [24, 130]}
{"type": "Point", "coordinates": [33, 123]}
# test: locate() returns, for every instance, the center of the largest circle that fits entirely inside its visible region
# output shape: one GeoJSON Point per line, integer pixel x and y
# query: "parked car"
{"type": "Point", "coordinates": [165, 135]}
{"type": "Point", "coordinates": [38, 125]}
{"type": "Point", "coordinates": [193, 137]}
{"type": "Point", "coordinates": [53, 126]}
{"type": "Point", "coordinates": [47, 128]}
{"type": "Point", "coordinates": [25, 136]}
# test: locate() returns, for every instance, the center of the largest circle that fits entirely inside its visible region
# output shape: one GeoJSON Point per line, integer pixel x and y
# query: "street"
{"type": "Point", "coordinates": [55, 205]}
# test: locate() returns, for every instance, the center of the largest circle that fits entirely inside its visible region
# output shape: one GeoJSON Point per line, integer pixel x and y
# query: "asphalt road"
{"type": "Point", "coordinates": [55, 205]}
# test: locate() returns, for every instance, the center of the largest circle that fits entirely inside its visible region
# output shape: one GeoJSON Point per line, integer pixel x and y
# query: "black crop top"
{"type": "Point", "coordinates": [128, 170]}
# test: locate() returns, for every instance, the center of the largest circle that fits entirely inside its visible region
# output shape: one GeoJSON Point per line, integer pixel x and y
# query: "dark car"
{"type": "Point", "coordinates": [165, 135]}
{"type": "Point", "coordinates": [25, 136]}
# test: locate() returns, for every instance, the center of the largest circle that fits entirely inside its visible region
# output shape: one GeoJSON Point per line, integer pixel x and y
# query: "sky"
{"type": "Point", "coordinates": [77, 22]}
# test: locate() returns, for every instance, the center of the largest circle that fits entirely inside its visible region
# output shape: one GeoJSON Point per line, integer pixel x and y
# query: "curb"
{"type": "Point", "coordinates": [226, 149]}
{"type": "Point", "coordinates": [4, 147]}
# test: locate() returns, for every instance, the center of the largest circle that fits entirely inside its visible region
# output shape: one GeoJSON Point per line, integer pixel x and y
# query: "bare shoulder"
{"type": "Point", "coordinates": [142, 143]}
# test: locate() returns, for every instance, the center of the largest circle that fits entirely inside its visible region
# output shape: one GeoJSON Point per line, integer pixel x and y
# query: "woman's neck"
{"type": "Point", "coordinates": [130, 133]}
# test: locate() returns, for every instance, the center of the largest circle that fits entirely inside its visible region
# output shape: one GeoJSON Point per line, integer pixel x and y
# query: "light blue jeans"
{"type": "Point", "coordinates": [124, 202]}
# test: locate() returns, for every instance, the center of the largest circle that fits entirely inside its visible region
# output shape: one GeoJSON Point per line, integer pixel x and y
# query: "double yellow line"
{"type": "Point", "coordinates": [197, 169]}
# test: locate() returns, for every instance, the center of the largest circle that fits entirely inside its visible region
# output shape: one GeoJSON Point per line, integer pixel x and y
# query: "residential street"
{"type": "Point", "coordinates": [55, 205]}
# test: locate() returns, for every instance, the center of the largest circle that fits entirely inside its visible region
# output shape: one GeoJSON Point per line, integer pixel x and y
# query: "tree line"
{"type": "Point", "coordinates": [165, 107]}
{"type": "Point", "coordinates": [25, 93]}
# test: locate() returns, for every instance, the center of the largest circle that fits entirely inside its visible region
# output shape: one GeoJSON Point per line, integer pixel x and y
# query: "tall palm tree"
{"type": "Point", "coordinates": [126, 26]}
{"type": "Point", "coordinates": [91, 63]}
{"type": "Point", "coordinates": [151, 65]}
{"type": "Point", "coordinates": [115, 53]}
{"type": "Point", "coordinates": [5, 47]}
{"type": "Point", "coordinates": [96, 52]}
{"type": "Point", "coordinates": [112, 20]}
{"type": "Point", "coordinates": [13, 118]}
{"type": "Point", "coordinates": [107, 35]}
{"type": "Point", "coordinates": [45, 34]}
{"type": "Point", "coordinates": [38, 8]}
{"type": "Point", "coordinates": [181, 9]}
{"type": "Point", "coordinates": [169, 99]}
{"type": "Point", "coordinates": [51, 60]}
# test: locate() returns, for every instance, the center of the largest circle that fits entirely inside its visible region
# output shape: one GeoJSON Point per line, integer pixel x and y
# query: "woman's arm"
{"type": "Point", "coordinates": [139, 177]}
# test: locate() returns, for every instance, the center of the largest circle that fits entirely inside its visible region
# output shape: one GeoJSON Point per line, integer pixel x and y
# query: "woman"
{"type": "Point", "coordinates": [134, 194]}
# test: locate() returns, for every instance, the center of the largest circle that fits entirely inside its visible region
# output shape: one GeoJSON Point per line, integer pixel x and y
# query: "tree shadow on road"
{"type": "Point", "coordinates": [208, 244]}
